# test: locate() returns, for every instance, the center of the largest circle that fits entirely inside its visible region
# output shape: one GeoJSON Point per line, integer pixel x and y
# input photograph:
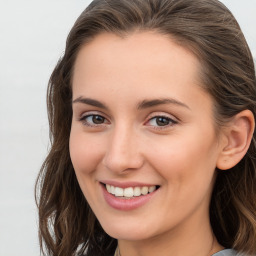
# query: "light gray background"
{"type": "Point", "coordinates": [32, 38]}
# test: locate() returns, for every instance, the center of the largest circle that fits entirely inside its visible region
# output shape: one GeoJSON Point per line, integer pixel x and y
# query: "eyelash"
{"type": "Point", "coordinates": [170, 121]}
{"type": "Point", "coordinates": [90, 123]}
{"type": "Point", "coordinates": [85, 122]}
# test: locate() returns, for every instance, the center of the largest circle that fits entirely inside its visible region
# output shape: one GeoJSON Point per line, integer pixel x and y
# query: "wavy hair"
{"type": "Point", "coordinates": [67, 225]}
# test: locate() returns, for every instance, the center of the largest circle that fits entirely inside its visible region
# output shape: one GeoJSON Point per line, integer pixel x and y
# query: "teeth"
{"type": "Point", "coordinates": [151, 189]}
{"type": "Point", "coordinates": [112, 189]}
{"type": "Point", "coordinates": [108, 188]}
{"type": "Point", "coordinates": [119, 191]}
{"type": "Point", "coordinates": [129, 192]}
{"type": "Point", "coordinates": [144, 190]}
{"type": "Point", "coordinates": [136, 191]}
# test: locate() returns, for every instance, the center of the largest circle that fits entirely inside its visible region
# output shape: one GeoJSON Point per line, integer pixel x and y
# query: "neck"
{"type": "Point", "coordinates": [194, 238]}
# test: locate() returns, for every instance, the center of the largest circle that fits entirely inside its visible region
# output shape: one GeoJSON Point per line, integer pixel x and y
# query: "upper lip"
{"type": "Point", "coordinates": [126, 184]}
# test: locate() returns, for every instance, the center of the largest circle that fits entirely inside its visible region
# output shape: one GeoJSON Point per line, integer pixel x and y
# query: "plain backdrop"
{"type": "Point", "coordinates": [32, 38]}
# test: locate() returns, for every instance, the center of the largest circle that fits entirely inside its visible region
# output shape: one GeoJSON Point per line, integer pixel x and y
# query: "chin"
{"type": "Point", "coordinates": [126, 231]}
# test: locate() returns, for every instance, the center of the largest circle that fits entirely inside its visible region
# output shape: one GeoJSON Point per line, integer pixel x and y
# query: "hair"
{"type": "Point", "coordinates": [67, 225]}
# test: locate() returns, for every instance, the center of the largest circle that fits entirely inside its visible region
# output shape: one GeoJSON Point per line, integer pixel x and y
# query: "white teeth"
{"type": "Point", "coordinates": [119, 191]}
{"type": "Point", "coordinates": [151, 189]}
{"type": "Point", "coordinates": [130, 192]}
{"type": "Point", "coordinates": [144, 190]}
{"type": "Point", "coordinates": [136, 191]}
{"type": "Point", "coordinates": [108, 188]}
{"type": "Point", "coordinates": [112, 190]}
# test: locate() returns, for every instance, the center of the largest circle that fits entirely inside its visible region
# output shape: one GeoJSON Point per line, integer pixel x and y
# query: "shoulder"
{"type": "Point", "coordinates": [228, 252]}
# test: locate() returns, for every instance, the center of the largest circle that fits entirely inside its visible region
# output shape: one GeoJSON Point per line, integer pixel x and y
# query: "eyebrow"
{"type": "Point", "coordinates": [141, 105]}
{"type": "Point", "coordinates": [155, 102]}
{"type": "Point", "coordinates": [91, 102]}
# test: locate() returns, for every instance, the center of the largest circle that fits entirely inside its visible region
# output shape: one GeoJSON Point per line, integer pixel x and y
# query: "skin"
{"type": "Point", "coordinates": [129, 145]}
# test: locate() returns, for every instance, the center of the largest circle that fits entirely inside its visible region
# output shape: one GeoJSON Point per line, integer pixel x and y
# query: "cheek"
{"type": "Point", "coordinates": [186, 159]}
{"type": "Point", "coordinates": [187, 170]}
{"type": "Point", "coordinates": [84, 152]}
{"type": "Point", "coordinates": [85, 156]}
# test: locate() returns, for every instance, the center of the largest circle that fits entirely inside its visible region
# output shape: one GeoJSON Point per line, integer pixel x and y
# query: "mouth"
{"type": "Point", "coordinates": [130, 192]}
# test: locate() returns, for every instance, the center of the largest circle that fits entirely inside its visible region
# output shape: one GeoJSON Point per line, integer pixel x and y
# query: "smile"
{"type": "Point", "coordinates": [130, 192]}
{"type": "Point", "coordinates": [126, 196]}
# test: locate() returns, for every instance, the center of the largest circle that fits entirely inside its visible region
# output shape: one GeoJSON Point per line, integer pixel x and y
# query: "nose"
{"type": "Point", "coordinates": [123, 151]}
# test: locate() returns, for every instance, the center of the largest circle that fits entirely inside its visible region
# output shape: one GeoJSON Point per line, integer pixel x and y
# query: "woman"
{"type": "Point", "coordinates": [152, 119]}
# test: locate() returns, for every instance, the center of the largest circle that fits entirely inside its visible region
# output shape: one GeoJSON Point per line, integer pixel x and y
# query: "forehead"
{"type": "Point", "coordinates": [121, 72]}
{"type": "Point", "coordinates": [136, 53]}
{"type": "Point", "coordinates": [140, 66]}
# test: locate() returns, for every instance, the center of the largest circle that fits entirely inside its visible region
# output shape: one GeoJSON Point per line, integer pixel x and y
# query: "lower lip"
{"type": "Point", "coordinates": [126, 204]}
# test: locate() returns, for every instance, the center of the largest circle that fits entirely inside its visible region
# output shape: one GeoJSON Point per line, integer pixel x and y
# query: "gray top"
{"type": "Point", "coordinates": [227, 252]}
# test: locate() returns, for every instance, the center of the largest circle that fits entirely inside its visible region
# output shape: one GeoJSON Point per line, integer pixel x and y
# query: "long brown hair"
{"type": "Point", "coordinates": [67, 224]}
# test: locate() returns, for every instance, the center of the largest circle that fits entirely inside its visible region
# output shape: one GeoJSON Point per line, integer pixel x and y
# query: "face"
{"type": "Point", "coordinates": [142, 142]}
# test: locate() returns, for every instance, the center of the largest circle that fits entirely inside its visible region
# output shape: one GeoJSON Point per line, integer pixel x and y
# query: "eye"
{"type": "Point", "coordinates": [93, 120]}
{"type": "Point", "coordinates": [161, 121]}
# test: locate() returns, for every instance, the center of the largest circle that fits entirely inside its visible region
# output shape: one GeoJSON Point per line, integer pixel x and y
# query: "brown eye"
{"type": "Point", "coordinates": [98, 119]}
{"type": "Point", "coordinates": [93, 120]}
{"type": "Point", "coordinates": [162, 121]}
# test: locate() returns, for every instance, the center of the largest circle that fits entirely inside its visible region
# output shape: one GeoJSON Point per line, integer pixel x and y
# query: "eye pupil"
{"type": "Point", "coordinates": [162, 121]}
{"type": "Point", "coordinates": [98, 119]}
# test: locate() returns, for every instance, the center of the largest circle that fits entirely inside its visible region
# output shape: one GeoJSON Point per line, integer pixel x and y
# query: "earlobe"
{"type": "Point", "coordinates": [238, 135]}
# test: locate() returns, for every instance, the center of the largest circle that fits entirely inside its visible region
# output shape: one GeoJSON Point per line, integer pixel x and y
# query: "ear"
{"type": "Point", "coordinates": [237, 139]}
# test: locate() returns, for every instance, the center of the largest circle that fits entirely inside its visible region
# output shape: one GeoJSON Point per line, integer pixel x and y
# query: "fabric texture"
{"type": "Point", "coordinates": [226, 252]}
